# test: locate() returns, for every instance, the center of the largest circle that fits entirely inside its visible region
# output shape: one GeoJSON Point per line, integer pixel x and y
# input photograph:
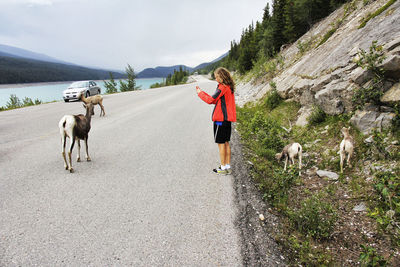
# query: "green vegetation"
{"type": "Point", "coordinates": [124, 85]}
{"type": "Point", "coordinates": [315, 218]}
{"type": "Point", "coordinates": [376, 13]}
{"type": "Point", "coordinates": [130, 83]}
{"type": "Point", "coordinates": [313, 211]}
{"type": "Point", "coordinates": [178, 77]}
{"type": "Point", "coordinates": [370, 258]}
{"type": "Point", "coordinates": [273, 100]}
{"type": "Point", "coordinates": [386, 208]}
{"type": "Point", "coordinates": [111, 85]}
{"type": "Point", "coordinates": [317, 116]}
{"type": "Point", "coordinates": [371, 92]}
{"type": "Point", "coordinates": [14, 102]}
{"type": "Point", "coordinates": [327, 36]}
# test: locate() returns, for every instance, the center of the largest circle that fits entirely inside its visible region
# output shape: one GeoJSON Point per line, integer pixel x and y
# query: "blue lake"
{"type": "Point", "coordinates": [47, 92]}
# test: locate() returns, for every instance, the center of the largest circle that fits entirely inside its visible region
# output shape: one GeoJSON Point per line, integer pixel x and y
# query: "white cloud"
{"type": "Point", "coordinates": [40, 2]}
{"type": "Point", "coordinates": [110, 34]}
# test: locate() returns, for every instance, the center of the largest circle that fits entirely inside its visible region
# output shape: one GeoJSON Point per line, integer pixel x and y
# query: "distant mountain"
{"type": "Point", "coordinates": [23, 66]}
{"type": "Point", "coordinates": [165, 71]}
{"type": "Point", "coordinates": [161, 71]}
{"type": "Point", "coordinates": [22, 53]}
{"type": "Point", "coordinates": [23, 70]}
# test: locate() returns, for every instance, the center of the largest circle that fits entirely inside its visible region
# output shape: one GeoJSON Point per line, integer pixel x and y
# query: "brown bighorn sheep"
{"type": "Point", "coordinates": [289, 152]}
{"type": "Point", "coordinates": [75, 127]}
{"type": "Point", "coordinates": [346, 146]}
{"type": "Point", "coordinates": [96, 99]}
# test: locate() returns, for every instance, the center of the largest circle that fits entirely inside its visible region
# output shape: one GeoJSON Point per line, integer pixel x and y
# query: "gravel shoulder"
{"type": "Point", "coordinates": [258, 245]}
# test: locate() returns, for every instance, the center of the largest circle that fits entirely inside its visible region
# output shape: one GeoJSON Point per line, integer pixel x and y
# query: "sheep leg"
{"type": "Point", "coordinates": [286, 161]}
{"type": "Point", "coordinates": [78, 159]}
{"type": "Point", "coordinates": [348, 160]}
{"type": "Point", "coordinates": [87, 151]}
{"type": "Point", "coordinates": [341, 161]}
{"type": "Point", "coordinates": [300, 156]}
{"type": "Point", "coordinates": [102, 109]}
{"type": "Point", "coordinates": [69, 154]}
{"type": "Point", "coordinates": [64, 140]}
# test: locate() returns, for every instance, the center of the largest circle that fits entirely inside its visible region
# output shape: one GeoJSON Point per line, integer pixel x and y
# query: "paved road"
{"type": "Point", "coordinates": [148, 197]}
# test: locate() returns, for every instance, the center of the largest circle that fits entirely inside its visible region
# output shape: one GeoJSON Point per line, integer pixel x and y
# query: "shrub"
{"type": "Point", "coordinates": [369, 257]}
{"type": "Point", "coordinates": [267, 132]}
{"type": "Point", "coordinates": [315, 218]}
{"type": "Point", "coordinates": [276, 187]}
{"type": "Point", "coordinates": [373, 91]}
{"type": "Point", "coordinates": [14, 102]}
{"type": "Point", "coordinates": [317, 115]}
{"type": "Point", "coordinates": [387, 209]}
{"type": "Point", "coordinates": [273, 99]}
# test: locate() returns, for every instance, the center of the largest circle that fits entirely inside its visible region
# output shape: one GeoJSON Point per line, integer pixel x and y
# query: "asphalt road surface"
{"type": "Point", "coordinates": [147, 198]}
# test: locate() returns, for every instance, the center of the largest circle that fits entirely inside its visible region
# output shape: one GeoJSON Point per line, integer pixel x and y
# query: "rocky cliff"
{"type": "Point", "coordinates": [325, 73]}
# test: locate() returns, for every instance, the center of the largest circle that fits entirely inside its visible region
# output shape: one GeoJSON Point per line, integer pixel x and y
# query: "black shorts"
{"type": "Point", "coordinates": [222, 133]}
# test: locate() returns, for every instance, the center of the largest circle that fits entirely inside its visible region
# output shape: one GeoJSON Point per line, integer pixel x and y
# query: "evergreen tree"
{"type": "Point", "coordinates": [111, 85]}
{"type": "Point", "coordinates": [290, 32]}
{"type": "Point", "coordinates": [130, 83]}
{"type": "Point", "coordinates": [278, 24]}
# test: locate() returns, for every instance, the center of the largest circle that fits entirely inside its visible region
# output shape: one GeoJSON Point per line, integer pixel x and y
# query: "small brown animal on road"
{"type": "Point", "coordinates": [95, 100]}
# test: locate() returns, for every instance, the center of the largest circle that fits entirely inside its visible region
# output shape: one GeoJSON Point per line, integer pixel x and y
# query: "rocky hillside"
{"type": "Point", "coordinates": [343, 73]}
{"type": "Point", "coordinates": [321, 67]}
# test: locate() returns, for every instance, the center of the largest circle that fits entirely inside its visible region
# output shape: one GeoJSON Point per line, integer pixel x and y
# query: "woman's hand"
{"type": "Point", "coordinates": [198, 90]}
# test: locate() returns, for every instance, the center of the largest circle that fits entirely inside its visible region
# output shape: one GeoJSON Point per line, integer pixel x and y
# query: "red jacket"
{"type": "Point", "coordinates": [224, 100]}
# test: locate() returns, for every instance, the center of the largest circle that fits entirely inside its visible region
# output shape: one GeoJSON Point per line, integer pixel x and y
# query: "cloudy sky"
{"type": "Point", "coordinates": [113, 33]}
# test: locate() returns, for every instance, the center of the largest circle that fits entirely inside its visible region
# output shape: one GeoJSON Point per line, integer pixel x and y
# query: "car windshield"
{"type": "Point", "coordinates": [78, 84]}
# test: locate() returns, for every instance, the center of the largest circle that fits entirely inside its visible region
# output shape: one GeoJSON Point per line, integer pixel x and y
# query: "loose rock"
{"type": "Point", "coordinates": [328, 174]}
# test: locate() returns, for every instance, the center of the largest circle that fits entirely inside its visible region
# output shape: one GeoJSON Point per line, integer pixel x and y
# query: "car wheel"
{"type": "Point", "coordinates": [87, 94]}
{"type": "Point", "coordinates": [66, 100]}
{"type": "Point", "coordinates": [98, 91]}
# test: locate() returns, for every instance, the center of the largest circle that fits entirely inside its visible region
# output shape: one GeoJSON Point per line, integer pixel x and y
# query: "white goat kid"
{"type": "Point", "coordinates": [346, 147]}
{"type": "Point", "coordinates": [289, 152]}
{"type": "Point", "coordinates": [75, 127]}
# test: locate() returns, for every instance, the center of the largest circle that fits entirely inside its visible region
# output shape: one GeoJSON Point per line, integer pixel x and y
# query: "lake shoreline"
{"type": "Point", "coordinates": [19, 85]}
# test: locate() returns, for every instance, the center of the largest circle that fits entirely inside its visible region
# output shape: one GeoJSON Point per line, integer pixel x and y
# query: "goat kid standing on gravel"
{"type": "Point", "coordinates": [223, 115]}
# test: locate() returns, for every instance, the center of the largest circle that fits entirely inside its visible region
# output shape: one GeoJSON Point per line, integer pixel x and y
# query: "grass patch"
{"type": "Point", "coordinates": [376, 13]}
{"type": "Point", "coordinates": [327, 36]}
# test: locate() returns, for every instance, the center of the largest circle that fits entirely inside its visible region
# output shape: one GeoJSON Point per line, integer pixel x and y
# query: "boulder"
{"type": "Point", "coordinates": [360, 76]}
{"type": "Point", "coordinates": [302, 120]}
{"type": "Point", "coordinates": [391, 65]}
{"type": "Point", "coordinates": [320, 82]}
{"type": "Point", "coordinates": [395, 43]}
{"type": "Point", "coordinates": [392, 95]}
{"type": "Point", "coordinates": [366, 121]}
{"type": "Point", "coordinates": [330, 98]}
{"type": "Point", "coordinates": [307, 98]}
{"type": "Point", "coordinates": [300, 86]}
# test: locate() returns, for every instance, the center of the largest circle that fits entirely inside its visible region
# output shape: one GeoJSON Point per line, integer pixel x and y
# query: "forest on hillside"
{"type": "Point", "coordinates": [288, 21]}
{"type": "Point", "coordinates": [23, 70]}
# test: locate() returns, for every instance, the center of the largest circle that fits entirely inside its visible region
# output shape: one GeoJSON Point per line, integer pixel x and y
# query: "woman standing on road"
{"type": "Point", "coordinates": [223, 115]}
